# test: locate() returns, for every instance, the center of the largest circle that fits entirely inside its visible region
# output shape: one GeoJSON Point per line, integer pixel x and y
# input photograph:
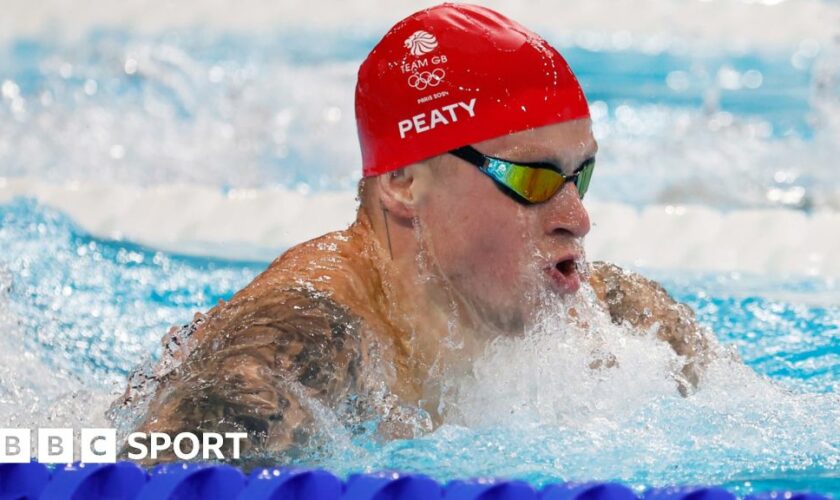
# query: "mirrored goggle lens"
{"type": "Point", "coordinates": [584, 176]}
{"type": "Point", "coordinates": [534, 184]}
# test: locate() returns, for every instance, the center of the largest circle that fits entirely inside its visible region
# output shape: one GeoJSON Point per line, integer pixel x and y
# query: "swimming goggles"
{"type": "Point", "coordinates": [527, 183]}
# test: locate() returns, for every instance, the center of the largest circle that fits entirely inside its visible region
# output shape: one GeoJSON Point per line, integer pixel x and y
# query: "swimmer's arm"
{"type": "Point", "coordinates": [264, 370]}
{"type": "Point", "coordinates": [644, 304]}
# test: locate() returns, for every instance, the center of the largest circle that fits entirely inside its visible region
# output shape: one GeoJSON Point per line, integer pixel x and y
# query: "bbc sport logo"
{"type": "Point", "coordinates": [99, 445]}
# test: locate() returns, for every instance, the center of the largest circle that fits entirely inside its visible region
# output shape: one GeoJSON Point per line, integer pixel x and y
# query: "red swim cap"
{"type": "Point", "coordinates": [453, 75]}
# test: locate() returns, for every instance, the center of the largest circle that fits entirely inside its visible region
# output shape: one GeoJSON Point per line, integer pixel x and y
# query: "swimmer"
{"type": "Point", "coordinates": [477, 151]}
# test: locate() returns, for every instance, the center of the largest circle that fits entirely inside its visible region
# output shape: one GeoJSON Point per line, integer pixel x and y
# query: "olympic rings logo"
{"type": "Point", "coordinates": [426, 79]}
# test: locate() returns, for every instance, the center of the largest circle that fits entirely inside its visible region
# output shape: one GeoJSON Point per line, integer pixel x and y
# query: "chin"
{"type": "Point", "coordinates": [503, 316]}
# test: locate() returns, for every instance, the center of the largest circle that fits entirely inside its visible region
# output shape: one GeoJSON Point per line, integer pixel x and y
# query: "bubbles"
{"type": "Point", "coordinates": [807, 51]}
{"type": "Point", "coordinates": [33, 392]}
{"type": "Point", "coordinates": [186, 111]}
{"type": "Point", "coordinates": [545, 378]}
{"type": "Point", "coordinates": [91, 87]}
{"type": "Point", "coordinates": [570, 401]}
{"type": "Point", "coordinates": [10, 90]}
{"type": "Point", "coordinates": [752, 79]}
{"type": "Point", "coordinates": [130, 66]}
{"type": "Point", "coordinates": [332, 114]}
{"type": "Point", "coordinates": [91, 286]}
{"type": "Point", "coordinates": [728, 78]}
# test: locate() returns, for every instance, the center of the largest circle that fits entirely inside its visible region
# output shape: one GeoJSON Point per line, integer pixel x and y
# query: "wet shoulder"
{"type": "Point", "coordinates": [331, 252]}
{"type": "Point", "coordinates": [263, 366]}
{"type": "Point", "coordinates": [280, 317]}
{"type": "Point", "coordinates": [337, 264]}
{"type": "Point", "coordinates": [297, 332]}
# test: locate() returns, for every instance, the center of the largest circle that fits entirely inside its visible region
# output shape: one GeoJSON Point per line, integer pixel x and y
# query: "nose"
{"type": "Point", "coordinates": [565, 213]}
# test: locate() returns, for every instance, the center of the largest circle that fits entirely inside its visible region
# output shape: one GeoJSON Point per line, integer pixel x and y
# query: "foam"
{"type": "Point", "coordinates": [38, 393]}
{"type": "Point", "coordinates": [732, 24]}
{"type": "Point", "coordinates": [259, 224]}
{"type": "Point", "coordinates": [532, 406]}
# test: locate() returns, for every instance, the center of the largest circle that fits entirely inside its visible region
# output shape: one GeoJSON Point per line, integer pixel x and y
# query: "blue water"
{"type": "Point", "coordinates": [187, 105]}
{"type": "Point", "coordinates": [614, 77]}
{"type": "Point", "coordinates": [96, 307]}
{"type": "Point", "coordinates": [117, 298]}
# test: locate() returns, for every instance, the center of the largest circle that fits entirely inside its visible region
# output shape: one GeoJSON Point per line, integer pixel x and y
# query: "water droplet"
{"type": "Point", "coordinates": [130, 66]}
{"type": "Point", "coordinates": [91, 87]}
{"type": "Point", "coordinates": [10, 90]}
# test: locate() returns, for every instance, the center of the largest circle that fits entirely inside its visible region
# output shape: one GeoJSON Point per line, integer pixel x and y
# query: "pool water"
{"type": "Point", "coordinates": [185, 106]}
{"type": "Point", "coordinates": [85, 310]}
{"type": "Point", "coordinates": [737, 130]}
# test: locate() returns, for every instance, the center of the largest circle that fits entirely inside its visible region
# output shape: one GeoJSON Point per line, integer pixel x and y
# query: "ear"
{"type": "Point", "coordinates": [398, 192]}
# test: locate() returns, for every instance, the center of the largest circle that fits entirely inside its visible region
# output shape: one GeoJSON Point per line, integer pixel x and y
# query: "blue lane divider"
{"type": "Point", "coordinates": [587, 491]}
{"type": "Point", "coordinates": [196, 481]}
{"type": "Point", "coordinates": [688, 493]}
{"type": "Point", "coordinates": [292, 484]}
{"type": "Point", "coordinates": [119, 481]}
{"type": "Point", "coordinates": [391, 486]}
{"type": "Point", "coordinates": [490, 489]}
{"type": "Point", "coordinates": [22, 481]}
{"type": "Point", "coordinates": [193, 481]}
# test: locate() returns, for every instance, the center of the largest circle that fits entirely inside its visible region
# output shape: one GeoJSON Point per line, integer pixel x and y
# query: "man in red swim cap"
{"type": "Point", "coordinates": [477, 151]}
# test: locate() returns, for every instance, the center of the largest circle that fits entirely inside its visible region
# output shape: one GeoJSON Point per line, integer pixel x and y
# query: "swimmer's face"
{"type": "Point", "coordinates": [499, 255]}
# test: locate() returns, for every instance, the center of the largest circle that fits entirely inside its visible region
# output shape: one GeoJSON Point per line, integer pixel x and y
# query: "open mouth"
{"type": "Point", "coordinates": [564, 274]}
{"type": "Point", "coordinates": [567, 267]}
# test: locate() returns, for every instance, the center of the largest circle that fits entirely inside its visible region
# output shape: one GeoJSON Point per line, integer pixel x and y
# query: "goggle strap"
{"type": "Point", "coordinates": [471, 155]}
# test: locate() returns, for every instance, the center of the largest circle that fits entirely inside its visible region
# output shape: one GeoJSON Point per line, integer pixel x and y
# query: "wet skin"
{"type": "Point", "coordinates": [362, 321]}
